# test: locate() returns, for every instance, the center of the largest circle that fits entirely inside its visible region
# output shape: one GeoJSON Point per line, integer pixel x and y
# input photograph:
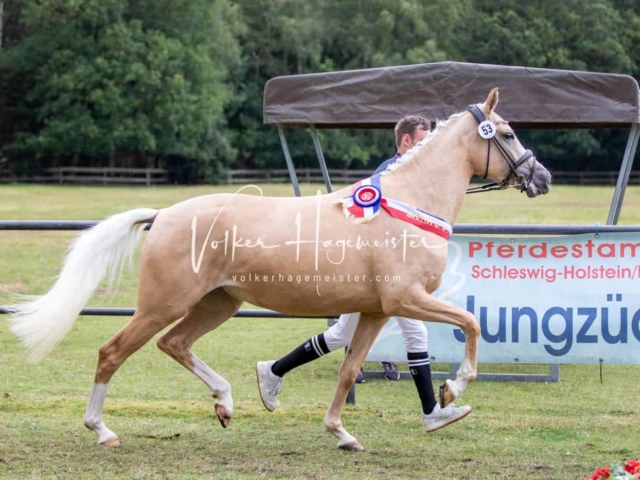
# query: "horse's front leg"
{"type": "Point", "coordinates": [365, 334]}
{"type": "Point", "coordinates": [420, 305]}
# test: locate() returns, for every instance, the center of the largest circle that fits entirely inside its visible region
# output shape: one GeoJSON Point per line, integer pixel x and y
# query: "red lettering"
{"type": "Point", "coordinates": [608, 246]}
{"type": "Point", "coordinates": [505, 251]}
{"type": "Point", "coordinates": [521, 250]}
{"type": "Point", "coordinates": [559, 251]}
{"type": "Point", "coordinates": [474, 247]}
{"type": "Point", "coordinates": [576, 248]}
{"type": "Point", "coordinates": [541, 248]}
{"type": "Point", "coordinates": [633, 247]}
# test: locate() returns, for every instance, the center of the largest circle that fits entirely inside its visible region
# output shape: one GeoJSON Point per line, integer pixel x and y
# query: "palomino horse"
{"type": "Point", "coordinates": [205, 256]}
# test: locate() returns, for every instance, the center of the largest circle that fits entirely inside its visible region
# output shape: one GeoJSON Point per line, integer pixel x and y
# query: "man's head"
{"type": "Point", "coordinates": [409, 131]}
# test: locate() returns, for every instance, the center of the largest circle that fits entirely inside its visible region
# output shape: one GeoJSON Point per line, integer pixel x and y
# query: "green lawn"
{"type": "Point", "coordinates": [165, 415]}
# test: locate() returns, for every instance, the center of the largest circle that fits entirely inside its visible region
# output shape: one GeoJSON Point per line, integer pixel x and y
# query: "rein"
{"type": "Point", "coordinates": [513, 164]}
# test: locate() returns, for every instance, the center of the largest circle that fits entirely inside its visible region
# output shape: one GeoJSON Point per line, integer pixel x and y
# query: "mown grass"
{"type": "Point", "coordinates": [165, 415]}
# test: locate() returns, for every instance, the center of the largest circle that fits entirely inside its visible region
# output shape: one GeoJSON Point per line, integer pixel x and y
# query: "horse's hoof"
{"type": "Point", "coordinates": [352, 447]}
{"type": "Point", "coordinates": [112, 442]}
{"type": "Point", "coordinates": [223, 415]}
{"type": "Point", "coordinates": [446, 395]}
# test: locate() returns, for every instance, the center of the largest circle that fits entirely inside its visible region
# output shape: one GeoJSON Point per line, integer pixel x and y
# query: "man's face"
{"type": "Point", "coordinates": [410, 141]}
{"type": "Point", "coordinates": [419, 135]}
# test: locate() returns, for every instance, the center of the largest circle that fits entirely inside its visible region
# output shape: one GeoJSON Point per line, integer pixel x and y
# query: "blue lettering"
{"type": "Point", "coordinates": [566, 336]}
{"type": "Point", "coordinates": [501, 336]}
{"type": "Point", "coordinates": [621, 337]}
{"type": "Point", "coordinates": [635, 325]}
{"type": "Point", "coordinates": [516, 315]}
{"type": "Point", "coordinates": [558, 325]}
{"type": "Point", "coordinates": [582, 336]}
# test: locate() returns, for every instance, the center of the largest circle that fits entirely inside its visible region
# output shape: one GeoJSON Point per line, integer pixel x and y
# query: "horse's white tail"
{"type": "Point", "coordinates": [105, 248]}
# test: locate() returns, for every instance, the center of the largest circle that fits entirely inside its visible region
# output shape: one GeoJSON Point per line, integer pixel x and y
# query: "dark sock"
{"type": "Point", "coordinates": [420, 368]}
{"type": "Point", "coordinates": [313, 348]}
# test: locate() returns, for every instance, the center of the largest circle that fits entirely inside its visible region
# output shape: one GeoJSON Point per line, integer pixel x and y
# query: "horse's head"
{"type": "Point", "coordinates": [496, 152]}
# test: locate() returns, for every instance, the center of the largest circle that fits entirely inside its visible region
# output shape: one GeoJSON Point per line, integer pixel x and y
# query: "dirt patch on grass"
{"type": "Point", "coordinates": [105, 290]}
{"type": "Point", "coordinates": [13, 287]}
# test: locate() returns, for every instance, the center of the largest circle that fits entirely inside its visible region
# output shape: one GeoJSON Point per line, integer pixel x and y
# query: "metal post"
{"type": "Point", "coordinates": [351, 396]}
{"type": "Point", "coordinates": [623, 176]}
{"type": "Point", "coordinates": [553, 376]}
{"type": "Point", "coordinates": [323, 165]}
{"type": "Point", "coordinates": [287, 157]}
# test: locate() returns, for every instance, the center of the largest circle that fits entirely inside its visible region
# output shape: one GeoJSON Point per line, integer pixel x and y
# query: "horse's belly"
{"type": "Point", "coordinates": [305, 298]}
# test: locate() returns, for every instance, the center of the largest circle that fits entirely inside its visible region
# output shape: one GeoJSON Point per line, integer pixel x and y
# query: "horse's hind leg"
{"type": "Point", "coordinates": [366, 332]}
{"type": "Point", "coordinates": [212, 311]}
{"type": "Point", "coordinates": [144, 325]}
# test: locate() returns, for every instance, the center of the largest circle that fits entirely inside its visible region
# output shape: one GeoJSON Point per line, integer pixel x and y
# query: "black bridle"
{"type": "Point", "coordinates": [524, 181]}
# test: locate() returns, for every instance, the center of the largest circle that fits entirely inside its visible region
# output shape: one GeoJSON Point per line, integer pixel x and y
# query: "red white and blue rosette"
{"type": "Point", "coordinates": [366, 198]}
{"type": "Point", "coordinates": [366, 201]}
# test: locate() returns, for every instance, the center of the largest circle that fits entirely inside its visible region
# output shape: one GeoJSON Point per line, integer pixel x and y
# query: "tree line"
{"type": "Point", "coordinates": [178, 84]}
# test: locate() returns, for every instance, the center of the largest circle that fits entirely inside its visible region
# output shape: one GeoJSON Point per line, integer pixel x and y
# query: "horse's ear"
{"type": "Point", "coordinates": [492, 101]}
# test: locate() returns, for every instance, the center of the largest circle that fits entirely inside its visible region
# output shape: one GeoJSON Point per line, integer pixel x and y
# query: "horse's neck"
{"type": "Point", "coordinates": [436, 178]}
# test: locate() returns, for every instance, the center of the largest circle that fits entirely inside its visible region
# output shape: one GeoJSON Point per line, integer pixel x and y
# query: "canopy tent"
{"type": "Point", "coordinates": [379, 97]}
{"type": "Point", "coordinates": [530, 98]}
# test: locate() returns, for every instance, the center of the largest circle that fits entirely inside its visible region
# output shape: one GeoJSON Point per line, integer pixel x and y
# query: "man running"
{"type": "Point", "coordinates": [408, 132]}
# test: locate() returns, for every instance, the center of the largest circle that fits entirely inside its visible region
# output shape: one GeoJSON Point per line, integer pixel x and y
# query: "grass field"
{"type": "Point", "coordinates": [165, 415]}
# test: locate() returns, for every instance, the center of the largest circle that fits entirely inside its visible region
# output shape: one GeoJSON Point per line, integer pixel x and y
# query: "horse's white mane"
{"type": "Point", "coordinates": [407, 157]}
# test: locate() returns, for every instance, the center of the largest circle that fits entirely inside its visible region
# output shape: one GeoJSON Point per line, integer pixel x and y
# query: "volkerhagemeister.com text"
{"type": "Point", "coordinates": [335, 278]}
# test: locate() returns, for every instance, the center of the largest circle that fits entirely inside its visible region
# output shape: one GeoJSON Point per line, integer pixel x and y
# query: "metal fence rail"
{"type": "Point", "coordinates": [128, 312]}
{"type": "Point", "coordinates": [153, 176]}
{"type": "Point", "coordinates": [459, 229]}
{"type": "Point", "coordinates": [341, 175]}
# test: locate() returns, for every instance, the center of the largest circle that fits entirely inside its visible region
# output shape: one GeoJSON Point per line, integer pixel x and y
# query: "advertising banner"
{"type": "Point", "coordinates": [566, 299]}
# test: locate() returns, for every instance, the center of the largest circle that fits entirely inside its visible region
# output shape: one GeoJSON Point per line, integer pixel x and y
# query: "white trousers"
{"type": "Point", "coordinates": [413, 331]}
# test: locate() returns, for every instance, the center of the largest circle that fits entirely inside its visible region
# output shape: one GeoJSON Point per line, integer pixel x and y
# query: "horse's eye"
{"type": "Point", "coordinates": [509, 136]}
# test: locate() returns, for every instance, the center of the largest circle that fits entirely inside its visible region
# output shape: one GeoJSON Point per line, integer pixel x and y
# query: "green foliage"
{"type": "Point", "coordinates": [179, 83]}
{"type": "Point", "coordinates": [284, 37]}
{"type": "Point", "coordinates": [572, 35]}
{"type": "Point", "coordinates": [111, 76]}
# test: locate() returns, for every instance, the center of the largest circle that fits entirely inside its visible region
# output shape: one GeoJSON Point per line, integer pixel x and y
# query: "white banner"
{"type": "Point", "coordinates": [571, 299]}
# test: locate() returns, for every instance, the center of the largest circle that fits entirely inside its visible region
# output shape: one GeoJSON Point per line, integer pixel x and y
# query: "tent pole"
{"type": "Point", "coordinates": [623, 176]}
{"type": "Point", "coordinates": [323, 165]}
{"type": "Point", "coordinates": [287, 157]}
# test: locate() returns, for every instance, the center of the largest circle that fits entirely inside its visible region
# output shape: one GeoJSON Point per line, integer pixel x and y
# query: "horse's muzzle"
{"type": "Point", "coordinates": [540, 183]}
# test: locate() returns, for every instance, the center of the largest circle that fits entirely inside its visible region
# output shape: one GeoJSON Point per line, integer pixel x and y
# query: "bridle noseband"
{"type": "Point", "coordinates": [513, 164]}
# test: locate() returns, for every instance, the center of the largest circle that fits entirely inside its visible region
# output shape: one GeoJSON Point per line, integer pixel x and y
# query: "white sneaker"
{"type": "Point", "coordinates": [269, 384]}
{"type": "Point", "coordinates": [441, 417]}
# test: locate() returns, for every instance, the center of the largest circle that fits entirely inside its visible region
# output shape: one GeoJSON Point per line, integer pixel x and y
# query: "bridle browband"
{"type": "Point", "coordinates": [513, 164]}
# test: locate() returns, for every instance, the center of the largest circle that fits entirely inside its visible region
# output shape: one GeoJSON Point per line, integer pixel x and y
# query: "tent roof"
{"type": "Point", "coordinates": [379, 97]}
